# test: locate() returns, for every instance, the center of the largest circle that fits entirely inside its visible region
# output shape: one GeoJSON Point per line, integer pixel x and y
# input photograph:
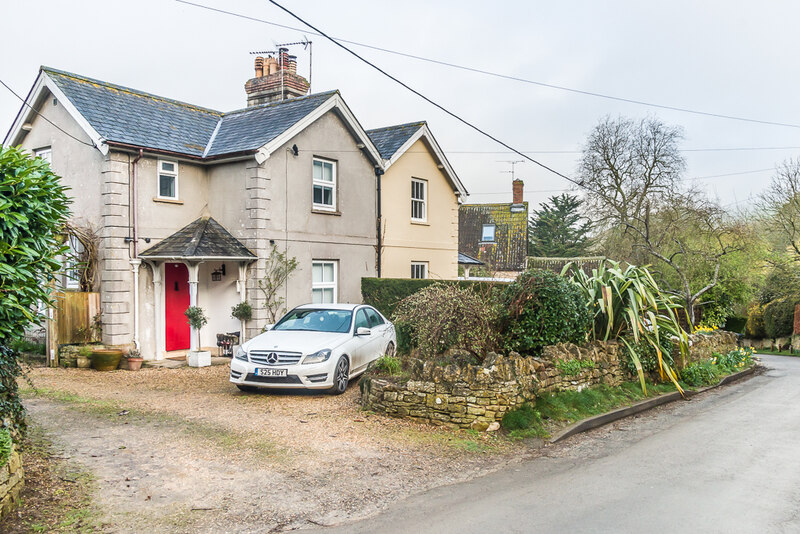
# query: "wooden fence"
{"type": "Point", "coordinates": [73, 320]}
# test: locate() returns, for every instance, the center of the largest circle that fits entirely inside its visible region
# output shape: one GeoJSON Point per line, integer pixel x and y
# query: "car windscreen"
{"type": "Point", "coordinates": [316, 321]}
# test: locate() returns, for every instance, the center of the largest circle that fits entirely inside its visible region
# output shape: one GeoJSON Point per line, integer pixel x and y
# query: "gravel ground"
{"type": "Point", "coordinates": [182, 450]}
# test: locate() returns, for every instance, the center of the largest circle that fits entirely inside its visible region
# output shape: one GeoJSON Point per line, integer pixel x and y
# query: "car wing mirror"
{"type": "Point", "coordinates": [361, 331]}
{"type": "Point", "coordinates": [268, 327]}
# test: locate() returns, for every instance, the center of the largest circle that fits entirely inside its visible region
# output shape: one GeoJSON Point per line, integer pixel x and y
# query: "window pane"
{"type": "Point", "coordinates": [488, 232]}
{"type": "Point", "coordinates": [327, 295]}
{"type": "Point", "coordinates": [317, 170]}
{"type": "Point", "coordinates": [361, 320]}
{"type": "Point", "coordinates": [327, 272]}
{"type": "Point", "coordinates": [316, 273]}
{"type": "Point", "coordinates": [168, 167]}
{"type": "Point", "coordinates": [317, 194]}
{"type": "Point", "coordinates": [327, 196]}
{"type": "Point", "coordinates": [316, 296]}
{"type": "Point", "coordinates": [166, 186]}
{"type": "Point", "coordinates": [327, 172]}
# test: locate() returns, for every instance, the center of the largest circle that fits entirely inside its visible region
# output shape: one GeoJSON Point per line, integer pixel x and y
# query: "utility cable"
{"type": "Point", "coordinates": [494, 74]}
{"type": "Point", "coordinates": [45, 118]}
{"type": "Point", "coordinates": [439, 106]}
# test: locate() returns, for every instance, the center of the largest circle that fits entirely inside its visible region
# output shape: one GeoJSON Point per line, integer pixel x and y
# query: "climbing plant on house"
{"type": "Point", "coordinates": [33, 210]}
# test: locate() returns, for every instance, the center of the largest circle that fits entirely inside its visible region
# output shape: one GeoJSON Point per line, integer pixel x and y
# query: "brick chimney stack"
{"type": "Point", "coordinates": [275, 79]}
{"type": "Point", "coordinates": [516, 187]}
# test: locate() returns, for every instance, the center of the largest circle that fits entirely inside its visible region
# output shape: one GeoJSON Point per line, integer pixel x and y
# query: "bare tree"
{"type": "Point", "coordinates": [780, 203]}
{"type": "Point", "coordinates": [631, 174]}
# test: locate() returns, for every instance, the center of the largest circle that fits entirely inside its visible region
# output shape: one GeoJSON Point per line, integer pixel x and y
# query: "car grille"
{"type": "Point", "coordinates": [291, 379]}
{"type": "Point", "coordinates": [284, 358]}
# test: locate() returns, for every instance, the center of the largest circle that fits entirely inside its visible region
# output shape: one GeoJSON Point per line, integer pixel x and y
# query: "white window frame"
{"type": "Point", "coordinates": [423, 201]}
{"type": "Point", "coordinates": [494, 233]}
{"type": "Point", "coordinates": [324, 284]}
{"type": "Point", "coordinates": [45, 153]}
{"type": "Point", "coordinates": [72, 269]}
{"type": "Point", "coordinates": [419, 264]}
{"type": "Point", "coordinates": [162, 172]}
{"type": "Point", "coordinates": [322, 183]}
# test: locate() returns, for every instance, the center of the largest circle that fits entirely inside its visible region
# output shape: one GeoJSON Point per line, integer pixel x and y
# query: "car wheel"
{"type": "Point", "coordinates": [340, 376]}
{"type": "Point", "coordinates": [390, 349]}
{"type": "Point", "coordinates": [247, 389]}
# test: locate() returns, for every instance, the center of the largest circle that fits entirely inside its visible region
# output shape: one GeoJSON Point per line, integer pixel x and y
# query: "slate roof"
{"type": "Point", "coordinates": [203, 238]}
{"type": "Point", "coordinates": [389, 139]}
{"type": "Point", "coordinates": [124, 115]}
{"type": "Point", "coordinates": [463, 259]}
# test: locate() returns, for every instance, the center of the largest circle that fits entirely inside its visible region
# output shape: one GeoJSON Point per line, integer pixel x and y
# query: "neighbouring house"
{"type": "Point", "coordinates": [187, 202]}
{"type": "Point", "coordinates": [496, 234]}
{"type": "Point", "coordinates": [420, 194]}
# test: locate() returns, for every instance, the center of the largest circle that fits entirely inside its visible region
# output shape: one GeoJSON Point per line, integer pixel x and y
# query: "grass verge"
{"type": "Point", "coordinates": [560, 409]}
{"type": "Point", "coordinates": [778, 352]}
{"type": "Point", "coordinates": [57, 496]}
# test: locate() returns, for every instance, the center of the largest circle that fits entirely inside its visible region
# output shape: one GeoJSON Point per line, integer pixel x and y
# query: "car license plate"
{"type": "Point", "coordinates": [271, 372]}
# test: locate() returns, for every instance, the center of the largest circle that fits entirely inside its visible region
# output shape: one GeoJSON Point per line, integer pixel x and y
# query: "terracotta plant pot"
{"type": "Point", "coordinates": [106, 359]}
{"type": "Point", "coordinates": [134, 364]}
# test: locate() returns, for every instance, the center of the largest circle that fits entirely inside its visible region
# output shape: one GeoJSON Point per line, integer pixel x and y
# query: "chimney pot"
{"type": "Point", "coordinates": [259, 67]}
{"type": "Point", "coordinates": [516, 187]}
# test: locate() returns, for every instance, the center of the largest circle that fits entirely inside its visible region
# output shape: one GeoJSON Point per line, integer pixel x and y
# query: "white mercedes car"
{"type": "Point", "coordinates": [314, 346]}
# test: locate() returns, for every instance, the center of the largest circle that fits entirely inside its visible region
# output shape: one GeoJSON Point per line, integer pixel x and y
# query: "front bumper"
{"type": "Point", "coordinates": [313, 376]}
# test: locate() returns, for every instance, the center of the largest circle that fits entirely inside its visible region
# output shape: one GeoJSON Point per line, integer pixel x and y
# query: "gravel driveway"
{"type": "Point", "coordinates": [182, 450]}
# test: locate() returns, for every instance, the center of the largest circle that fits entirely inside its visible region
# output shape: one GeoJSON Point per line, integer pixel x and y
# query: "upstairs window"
{"type": "Point", "coordinates": [487, 236]}
{"type": "Point", "coordinates": [419, 200]}
{"type": "Point", "coordinates": [45, 153]}
{"type": "Point", "coordinates": [419, 269]}
{"type": "Point", "coordinates": [168, 180]}
{"type": "Point", "coordinates": [324, 184]}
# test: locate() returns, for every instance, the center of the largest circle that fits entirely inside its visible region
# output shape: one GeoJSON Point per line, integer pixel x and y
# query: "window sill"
{"type": "Point", "coordinates": [421, 223]}
{"type": "Point", "coordinates": [167, 200]}
{"type": "Point", "coordinates": [487, 242]}
{"type": "Point", "coordinates": [326, 212]}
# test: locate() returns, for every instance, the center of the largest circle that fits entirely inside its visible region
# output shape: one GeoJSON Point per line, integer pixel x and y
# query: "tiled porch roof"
{"type": "Point", "coordinates": [203, 239]}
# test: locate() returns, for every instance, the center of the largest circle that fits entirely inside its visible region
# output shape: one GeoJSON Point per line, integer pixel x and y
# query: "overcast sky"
{"type": "Point", "coordinates": [725, 57]}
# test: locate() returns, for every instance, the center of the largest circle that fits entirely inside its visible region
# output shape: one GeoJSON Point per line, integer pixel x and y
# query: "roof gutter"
{"type": "Point", "coordinates": [181, 155]}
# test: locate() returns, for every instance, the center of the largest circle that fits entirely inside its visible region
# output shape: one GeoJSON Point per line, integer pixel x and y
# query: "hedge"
{"type": "Point", "coordinates": [779, 318]}
{"type": "Point", "coordinates": [385, 294]}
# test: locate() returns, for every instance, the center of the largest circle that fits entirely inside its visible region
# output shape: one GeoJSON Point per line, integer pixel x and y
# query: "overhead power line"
{"type": "Point", "coordinates": [494, 74]}
{"type": "Point", "coordinates": [435, 104]}
{"type": "Point", "coordinates": [42, 116]}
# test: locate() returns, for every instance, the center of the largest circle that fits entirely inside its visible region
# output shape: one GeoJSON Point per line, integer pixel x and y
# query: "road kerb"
{"type": "Point", "coordinates": [648, 404]}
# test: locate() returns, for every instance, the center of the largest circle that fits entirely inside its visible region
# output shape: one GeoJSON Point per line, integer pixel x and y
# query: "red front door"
{"type": "Point", "coordinates": [176, 300]}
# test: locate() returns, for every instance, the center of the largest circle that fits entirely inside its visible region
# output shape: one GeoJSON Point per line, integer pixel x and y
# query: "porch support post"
{"type": "Point", "coordinates": [135, 263]}
{"type": "Point", "coordinates": [241, 287]}
{"type": "Point", "coordinates": [194, 269]}
{"type": "Point", "coordinates": [159, 322]}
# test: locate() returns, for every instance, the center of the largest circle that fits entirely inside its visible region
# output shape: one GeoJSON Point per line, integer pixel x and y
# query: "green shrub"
{"type": "Point", "coordinates": [385, 294]}
{"type": "Point", "coordinates": [521, 418]}
{"type": "Point", "coordinates": [542, 308]}
{"type": "Point", "coordinates": [755, 322]}
{"type": "Point", "coordinates": [196, 317]}
{"type": "Point", "coordinates": [242, 311]}
{"type": "Point", "coordinates": [648, 357]}
{"type": "Point", "coordinates": [5, 446]}
{"type": "Point", "coordinates": [700, 373]}
{"type": "Point", "coordinates": [389, 365]}
{"type": "Point", "coordinates": [779, 318]}
{"type": "Point", "coordinates": [444, 316]}
{"type": "Point", "coordinates": [735, 324]}
{"type": "Point", "coordinates": [23, 345]}
{"type": "Point", "coordinates": [735, 360]}
{"type": "Point", "coordinates": [573, 367]}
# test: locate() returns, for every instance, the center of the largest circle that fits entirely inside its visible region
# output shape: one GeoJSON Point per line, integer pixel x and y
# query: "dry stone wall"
{"type": "Point", "coordinates": [477, 396]}
{"type": "Point", "coordinates": [12, 480]}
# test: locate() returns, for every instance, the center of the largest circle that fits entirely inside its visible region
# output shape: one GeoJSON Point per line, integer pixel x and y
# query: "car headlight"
{"type": "Point", "coordinates": [318, 357]}
{"type": "Point", "coordinates": [241, 354]}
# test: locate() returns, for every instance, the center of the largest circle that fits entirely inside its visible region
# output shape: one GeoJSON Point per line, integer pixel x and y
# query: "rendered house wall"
{"type": "Point", "coordinates": [435, 241]}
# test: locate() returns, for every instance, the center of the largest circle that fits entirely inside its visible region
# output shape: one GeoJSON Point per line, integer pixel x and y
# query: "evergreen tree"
{"type": "Point", "coordinates": [558, 229]}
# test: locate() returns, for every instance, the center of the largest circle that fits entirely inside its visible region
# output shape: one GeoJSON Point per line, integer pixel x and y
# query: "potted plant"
{"type": "Point", "coordinates": [244, 312]}
{"type": "Point", "coordinates": [106, 359]}
{"type": "Point", "coordinates": [84, 357]}
{"type": "Point", "coordinates": [134, 360]}
{"type": "Point", "coordinates": [197, 320]}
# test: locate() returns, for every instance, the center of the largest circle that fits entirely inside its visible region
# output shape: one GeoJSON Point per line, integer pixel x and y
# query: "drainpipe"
{"type": "Point", "coordinates": [135, 261]}
{"type": "Point", "coordinates": [378, 174]}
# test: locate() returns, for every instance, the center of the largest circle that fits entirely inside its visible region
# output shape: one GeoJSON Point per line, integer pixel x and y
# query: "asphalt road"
{"type": "Point", "coordinates": [725, 461]}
